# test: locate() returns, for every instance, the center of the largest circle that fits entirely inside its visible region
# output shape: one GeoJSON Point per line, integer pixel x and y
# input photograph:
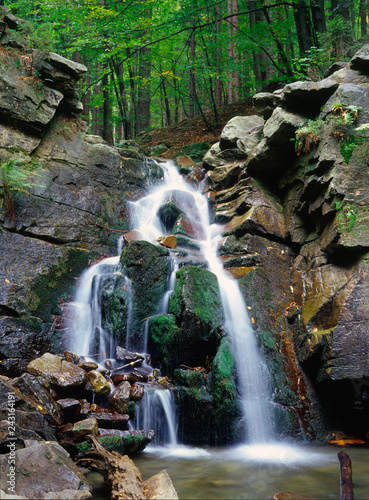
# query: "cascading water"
{"type": "Point", "coordinates": [253, 375]}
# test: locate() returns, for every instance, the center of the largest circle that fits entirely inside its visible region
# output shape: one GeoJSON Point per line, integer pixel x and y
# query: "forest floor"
{"type": "Point", "coordinates": [191, 131]}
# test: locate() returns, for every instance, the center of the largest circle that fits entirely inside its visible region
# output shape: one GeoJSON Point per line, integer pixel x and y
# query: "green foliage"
{"type": "Point", "coordinates": [312, 65]}
{"type": "Point", "coordinates": [346, 216]}
{"type": "Point", "coordinates": [338, 38]}
{"type": "Point", "coordinates": [307, 137]}
{"type": "Point", "coordinates": [16, 176]}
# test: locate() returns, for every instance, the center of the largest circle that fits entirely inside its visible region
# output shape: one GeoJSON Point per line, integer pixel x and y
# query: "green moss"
{"type": "Point", "coordinates": [189, 378]}
{"type": "Point", "coordinates": [120, 444]}
{"type": "Point", "coordinates": [164, 339]}
{"type": "Point", "coordinates": [196, 291]}
{"type": "Point", "coordinates": [44, 292]}
{"type": "Point", "coordinates": [196, 151]}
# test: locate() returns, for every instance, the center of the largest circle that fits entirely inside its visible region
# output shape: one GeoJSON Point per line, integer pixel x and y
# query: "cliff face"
{"type": "Point", "coordinates": [79, 190]}
{"type": "Point", "coordinates": [293, 195]}
{"type": "Point", "coordinates": [296, 208]}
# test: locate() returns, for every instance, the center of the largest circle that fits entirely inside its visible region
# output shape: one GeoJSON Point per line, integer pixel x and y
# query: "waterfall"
{"type": "Point", "coordinates": [86, 333]}
{"type": "Point", "coordinates": [157, 411]}
{"type": "Point", "coordinates": [253, 376]}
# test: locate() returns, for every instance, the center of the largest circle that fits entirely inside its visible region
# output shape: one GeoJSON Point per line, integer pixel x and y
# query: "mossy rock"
{"type": "Point", "coordinates": [147, 266]}
{"type": "Point", "coordinates": [227, 411]}
{"type": "Point", "coordinates": [195, 415]}
{"type": "Point", "coordinates": [197, 306]}
{"type": "Point", "coordinates": [168, 213]}
{"type": "Point", "coordinates": [114, 306]}
{"type": "Point", "coordinates": [122, 444]}
{"type": "Point", "coordinates": [163, 343]}
{"type": "Point", "coordinates": [189, 378]}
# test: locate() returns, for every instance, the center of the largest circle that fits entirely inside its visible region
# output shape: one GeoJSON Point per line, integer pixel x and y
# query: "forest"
{"type": "Point", "coordinates": [152, 63]}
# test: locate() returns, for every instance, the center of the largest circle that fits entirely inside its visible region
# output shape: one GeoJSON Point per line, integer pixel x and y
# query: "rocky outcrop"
{"type": "Point", "coordinates": [296, 236]}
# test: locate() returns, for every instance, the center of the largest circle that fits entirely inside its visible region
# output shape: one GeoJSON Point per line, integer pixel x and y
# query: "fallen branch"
{"type": "Point", "coordinates": [346, 484]}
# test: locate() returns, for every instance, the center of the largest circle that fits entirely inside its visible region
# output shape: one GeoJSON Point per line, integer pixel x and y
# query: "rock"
{"type": "Point", "coordinates": [280, 128]}
{"type": "Point", "coordinates": [265, 102]}
{"type": "Point", "coordinates": [346, 94]}
{"type": "Point", "coordinates": [87, 366]}
{"type": "Point", "coordinates": [188, 226]}
{"type": "Point", "coordinates": [168, 241]}
{"type": "Point", "coordinates": [168, 214]}
{"type": "Point", "coordinates": [124, 442]}
{"type": "Point", "coordinates": [118, 401]}
{"type": "Point", "coordinates": [51, 461]}
{"type": "Point", "coordinates": [196, 305]}
{"type": "Point", "coordinates": [38, 390]}
{"type": "Point", "coordinates": [164, 338]}
{"type": "Point", "coordinates": [74, 69]}
{"type": "Point", "coordinates": [56, 371]}
{"type": "Point", "coordinates": [360, 61]}
{"type": "Point", "coordinates": [147, 266]}
{"type": "Point", "coordinates": [160, 486]}
{"type": "Point", "coordinates": [127, 356]}
{"type": "Point", "coordinates": [307, 98]}
{"type": "Point", "coordinates": [99, 383]}
{"type": "Point", "coordinates": [158, 150]}
{"type": "Point", "coordinates": [83, 428]}
{"type": "Point", "coordinates": [71, 357]}
{"type": "Point", "coordinates": [286, 495]}
{"type": "Point", "coordinates": [137, 392]}
{"type": "Point", "coordinates": [250, 141]}
{"type": "Point", "coordinates": [69, 406]}
{"type": "Point", "coordinates": [70, 494]}
{"type": "Point", "coordinates": [238, 128]}
{"type": "Point", "coordinates": [110, 420]}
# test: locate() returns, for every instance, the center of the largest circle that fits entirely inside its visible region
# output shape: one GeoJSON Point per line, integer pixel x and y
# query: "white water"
{"type": "Point", "coordinates": [157, 411]}
{"type": "Point", "coordinates": [253, 375]}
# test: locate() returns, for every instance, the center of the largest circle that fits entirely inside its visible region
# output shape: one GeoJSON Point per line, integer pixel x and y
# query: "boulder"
{"type": "Point", "coordinates": [160, 486]}
{"type": "Point", "coordinates": [46, 459]}
{"type": "Point", "coordinates": [56, 371]}
{"type": "Point", "coordinates": [118, 401]}
{"type": "Point", "coordinates": [307, 98]}
{"type": "Point", "coordinates": [196, 305]}
{"type": "Point", "coordinates": [83, 428]}
{"type": "Point", "coordinates": [265, 102]}
{"type": "Point", "coordinates": [147, 266]}
{"type": "Point", "coordinates": [99, 382]}
{"type": "Point", "coordinates": [360, 61]}
{"type": "Point", "coordinates": [280, 128]}
{"type": "Point", "coordinates": [238, 128]}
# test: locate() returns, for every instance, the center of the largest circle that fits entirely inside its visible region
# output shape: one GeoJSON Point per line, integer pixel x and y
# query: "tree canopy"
{"type": "Point", "coordinates": [152, 63]}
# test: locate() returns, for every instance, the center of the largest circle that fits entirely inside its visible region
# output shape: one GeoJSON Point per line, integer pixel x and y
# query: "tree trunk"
{"type": "Point", "coordinates": [218, 81]}
{"type": "Point", "coordinates": [233, 78]}
{"type": "Point", "coordinates": [143, 90]}
{"type": "Point", "coordinates": [192, 90]}
{"type": "Point", "coordinates": [167, 120]}
{"type": "Point", "coordinates": [363, 23]}
{"type": "Point", "coordinates": [106, 126]}
{"type": "Point", "coordinates": [303, 27]}
{"type": "Point", "coordinates": [318, 15]}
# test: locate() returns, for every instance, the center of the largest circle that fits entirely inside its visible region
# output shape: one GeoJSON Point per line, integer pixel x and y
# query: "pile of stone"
{"type": "Point", "coordinates": [56, 420]}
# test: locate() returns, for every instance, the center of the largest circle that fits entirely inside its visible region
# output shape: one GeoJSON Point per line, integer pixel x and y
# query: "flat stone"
{"type": "Point", "coordinates": [160, 487]}
{"type": "Point", "coordinates": [360, 61]}
{"type": "Point", "coordinates": [238, 127]}
{"type": "Point", "coordinates": [84, 427]}
{"type": "Point", "coordinates": [56, 371]}
{"type": "Point", "coordinates": [109, 420]}
{"type": "Point", "coordinates": [168, 241]}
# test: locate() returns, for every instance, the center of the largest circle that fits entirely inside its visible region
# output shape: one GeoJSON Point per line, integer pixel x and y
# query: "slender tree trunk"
{"type": "Point", "coordinates": [132, 71]}
{"type": "Point", "coordinates": [318, 15]}
{"type": "Point", "coordinates": [233, 78]}
{"type": "Point", "coordinates": [303, 27]}
{"type": "Point", "coordinates": [218, 81]}
{"type": "Point", "coordinates": [167, 120]}
{"type": "Point", "coordinates": [87, 96]}
{"type": "Point", "coordinates": [363, 23]}
{"type": "Point", "coordinates": [122, 100]}
{"type": "Point", "coordinates": [143, 91]}
{"type": "Point", "coordinates": [96, 110]}
{"type": "Point", "coordinates": [192, 90]}
{"type": "Point", "coordinates": [282, 55]}
{"type": "Point", "coordinates": [106, 125]}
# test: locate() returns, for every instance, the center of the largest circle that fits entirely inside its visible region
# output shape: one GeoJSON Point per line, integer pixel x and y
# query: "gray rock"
{"type": "Point", "coordinates": [360, 61]}
{"type": "Point", "coordinates": [47, 460]}
{"type": "Point", "coordinates": [250, 141]}
{"type": "Point", "coordinates": [307, 97]}
{"type": "Point", "coordinates": [75, 70]}
{"type": "Point", "coordinates": [349, 94]}
{"type": "Point", "coordinates": [281, 127]}
{"type": "Point", "coordinates": [238, 128]}
{"type": "Point", "coordinates": [265, 102]}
